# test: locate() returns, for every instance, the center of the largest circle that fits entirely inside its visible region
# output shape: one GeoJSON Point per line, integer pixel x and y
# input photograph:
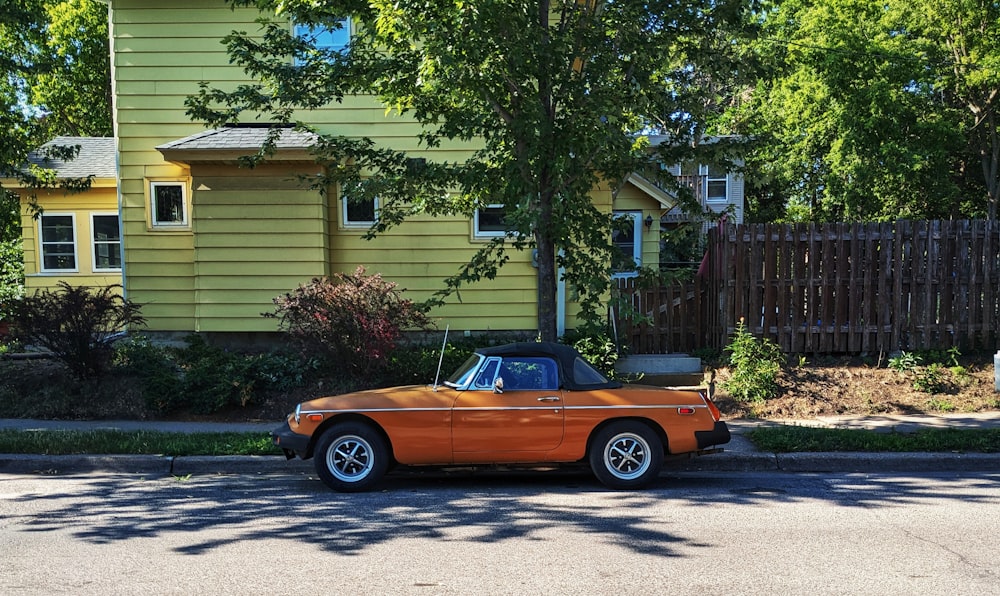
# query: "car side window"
{"type": "Point", "coordinates": [484, 380]}
{"type": "Point", "coordinates": [529, 373]}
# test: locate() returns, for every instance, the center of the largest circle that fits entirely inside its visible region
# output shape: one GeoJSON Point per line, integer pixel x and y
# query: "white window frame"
{"type": "Point", "coordinates": [709, 179]}
{"type": "Point", "coordinates": [349, 223]}
{"type": "Point", "coordinates": [319, 35]}
{"type": "Point", "coordinates": [155, 223]}
{"type": "Point", "coordinates": [94, 241]}
{"type": "Point", "coordinates": [636, 217]}
{"type": "Point", "coordinates": [477, 233]}
{"type": "Point", "coordinates": [42, 244]}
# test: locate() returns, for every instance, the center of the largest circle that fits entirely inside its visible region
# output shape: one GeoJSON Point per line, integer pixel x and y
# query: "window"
{"type": "Point", "coordinates": [57, 239]}
{"type": "Point", "coordinates": [359, 214]}
{"type": "Point", "coordinates": [627, 239]}
{"type": "Point", "coordinates": [490, 222]}
{"type": "Point", "coordinates": [106, 241]}
{"type": "Point", "coordinates": [718, 187]}
{"type": "Point", "coordinates": [529, 373]}
{"type": "Point", "coordinates": [168, 206]}
{"type": "Point", "coordinates": [324, 38]}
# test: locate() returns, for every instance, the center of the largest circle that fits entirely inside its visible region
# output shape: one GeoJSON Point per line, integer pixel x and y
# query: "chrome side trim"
{"type": "Point", "coordinates": [511, 408]}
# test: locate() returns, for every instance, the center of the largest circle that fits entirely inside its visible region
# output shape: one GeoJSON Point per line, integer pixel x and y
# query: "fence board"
{"type": "Point", "coordinates": [830, 288]}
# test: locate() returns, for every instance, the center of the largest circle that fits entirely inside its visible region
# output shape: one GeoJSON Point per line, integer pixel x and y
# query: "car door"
{"type": "Point", "coordinates": [522, 418]}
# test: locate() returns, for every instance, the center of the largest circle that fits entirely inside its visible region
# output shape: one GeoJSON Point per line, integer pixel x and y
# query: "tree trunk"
{"type": "Point", "coordinates": [547, 328]}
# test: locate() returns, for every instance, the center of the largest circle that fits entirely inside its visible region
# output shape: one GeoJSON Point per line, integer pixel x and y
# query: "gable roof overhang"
{"type": "Point", "coordinates": [667, 200]}
{"type": "Point", "coordinates": [229, 144]}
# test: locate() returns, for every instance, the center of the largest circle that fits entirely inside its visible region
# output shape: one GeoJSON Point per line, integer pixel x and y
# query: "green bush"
{"type": "Point", "coordinates": [418, 364]}
{"type": "Point", "coordinates": [205, 379]}
{"type": "Point", "coordinates": [600, 351]}
{"type": "Point", "coordinates": [754, 364]}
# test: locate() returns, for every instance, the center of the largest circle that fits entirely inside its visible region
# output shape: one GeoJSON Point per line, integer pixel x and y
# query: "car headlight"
{"type": "Point", "coordinates": [298, 413]}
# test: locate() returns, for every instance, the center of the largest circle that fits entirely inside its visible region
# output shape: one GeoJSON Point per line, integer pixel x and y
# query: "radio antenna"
{"type": "Point", "coordinates": [441, 357]}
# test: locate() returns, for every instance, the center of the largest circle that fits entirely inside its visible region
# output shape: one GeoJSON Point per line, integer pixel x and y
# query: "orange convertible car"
{"type": "Point", "coordinates": [514, 404]}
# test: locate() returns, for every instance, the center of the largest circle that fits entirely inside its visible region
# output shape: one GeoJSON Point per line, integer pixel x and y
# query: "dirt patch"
{"type": "Point", "coordinates": [854, 387]}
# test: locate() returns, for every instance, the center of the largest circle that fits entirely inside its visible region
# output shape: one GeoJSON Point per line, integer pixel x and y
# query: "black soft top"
{"type": "Point", "coordinates": [564, 355]}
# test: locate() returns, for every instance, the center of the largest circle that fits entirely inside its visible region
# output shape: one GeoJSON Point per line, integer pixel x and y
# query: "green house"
{"type": "Point", "coordinates": [207, 244]}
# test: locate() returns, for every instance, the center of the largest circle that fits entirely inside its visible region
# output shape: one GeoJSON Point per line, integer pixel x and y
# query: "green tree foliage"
{"type": "Point", "coordinates": [874, 110]}
{"type": "Point", "coordinates": [552, 92]}
{"type": "Point", "coordinates": [57, 67]}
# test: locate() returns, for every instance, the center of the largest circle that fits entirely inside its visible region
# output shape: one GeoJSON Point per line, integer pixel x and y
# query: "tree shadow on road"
{"type": "Point", "coordinates": [486, 508]}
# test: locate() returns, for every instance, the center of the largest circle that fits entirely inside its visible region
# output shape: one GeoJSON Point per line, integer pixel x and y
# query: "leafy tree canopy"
{"type": "Point", "coordinates": [871, 111]}
{"type": "Point", "coordinates": [58, 82]}
{"type": "Point", "coordinates": [552, 94]}
{"type": "Point", "coordinates": [55, 58]}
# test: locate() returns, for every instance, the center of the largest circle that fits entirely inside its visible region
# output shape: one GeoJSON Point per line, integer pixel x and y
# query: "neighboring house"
{"type": "Point", "coordinates": [77, 237]}
{"type": "Point", "coordinates": [208, 244]}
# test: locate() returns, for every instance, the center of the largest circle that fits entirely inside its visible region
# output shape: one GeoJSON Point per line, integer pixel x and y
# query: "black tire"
{"type": "Point", "coordinates": [626, 455]}
{"type": "Point", "coordinates": [351, 457]}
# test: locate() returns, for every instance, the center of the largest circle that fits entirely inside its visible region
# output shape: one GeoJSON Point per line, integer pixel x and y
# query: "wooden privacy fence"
{"type": "Point", "coordinates": [831, 288]}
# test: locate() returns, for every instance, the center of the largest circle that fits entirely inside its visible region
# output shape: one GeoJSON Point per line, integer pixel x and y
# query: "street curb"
{"type": "Point", "coordinates": [839, 462]}
{"type": "Point", "coordinates": [74, 464]}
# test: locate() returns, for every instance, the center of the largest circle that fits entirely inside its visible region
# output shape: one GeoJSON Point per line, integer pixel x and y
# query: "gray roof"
{"type": "Point", "coordinates": [241, 138]}
{"type": "Point", "coordinates": [95, 158]}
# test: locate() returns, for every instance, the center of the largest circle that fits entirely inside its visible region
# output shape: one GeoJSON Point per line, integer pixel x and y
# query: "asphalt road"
{"type": "Point", "coordinates": [429, 533]}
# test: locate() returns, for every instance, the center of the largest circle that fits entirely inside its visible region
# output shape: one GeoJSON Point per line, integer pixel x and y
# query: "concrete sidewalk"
{"type": "Point", "coordinates": [739, 455]}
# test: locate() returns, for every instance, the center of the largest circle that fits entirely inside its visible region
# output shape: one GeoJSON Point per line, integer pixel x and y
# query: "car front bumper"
{"type": "Point", "coordinates": [290, 442]}
{"type": "Point", "coordinates": [719, 435]}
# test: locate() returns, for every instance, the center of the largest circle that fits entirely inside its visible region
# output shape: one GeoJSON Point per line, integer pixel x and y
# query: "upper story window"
{"type": "Point", "coordinates": [106, 242]}
{"type": "Point", "coordinates": [57, 241]}
{"type": "Point", "coordinates": [168, 205]}
{"type": "Point", "coordinates": [325, 38]}
{"type": "Point", "coordinates": [717, 184]}
{"type": "Point", "coordinates": [490, 222]}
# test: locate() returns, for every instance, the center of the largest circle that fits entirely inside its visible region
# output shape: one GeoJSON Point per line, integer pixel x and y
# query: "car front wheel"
{"type": "Point", "coordinates": [626, 455]}
{"type": "Point", "coordinates": [351, 457]}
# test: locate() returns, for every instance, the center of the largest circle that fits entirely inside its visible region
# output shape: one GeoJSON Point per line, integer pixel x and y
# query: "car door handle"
{"type": "Point", "coordinates": [549, 398]}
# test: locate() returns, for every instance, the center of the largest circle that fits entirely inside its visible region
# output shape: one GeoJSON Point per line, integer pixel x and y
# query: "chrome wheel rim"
{"type": "Point", "coordinates": [350, 458]}
{"type": "Point", "coordinates": [627, 456]}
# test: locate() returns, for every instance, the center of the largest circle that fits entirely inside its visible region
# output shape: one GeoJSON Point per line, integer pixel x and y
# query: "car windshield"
{"type": "Point", "coordinates": [460, 378]}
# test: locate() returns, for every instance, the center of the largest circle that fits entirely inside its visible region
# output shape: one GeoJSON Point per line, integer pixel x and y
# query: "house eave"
{"type": "Point", "coordinates": [232, 157]}
{"type": "Point", "coordinates": [664, 198]}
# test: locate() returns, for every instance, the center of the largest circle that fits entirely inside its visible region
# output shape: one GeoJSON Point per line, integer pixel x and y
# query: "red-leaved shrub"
{"type": "Point", "coordinates": [352, 319]}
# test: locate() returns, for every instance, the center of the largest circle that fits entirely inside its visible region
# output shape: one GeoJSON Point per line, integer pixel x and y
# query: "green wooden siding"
{"type": "Point", "coordinates": [249, 242]}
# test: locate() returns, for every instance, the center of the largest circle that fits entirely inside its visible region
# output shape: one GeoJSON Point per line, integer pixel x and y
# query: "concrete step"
{"type": "Point", "coordinates": [659, 364]}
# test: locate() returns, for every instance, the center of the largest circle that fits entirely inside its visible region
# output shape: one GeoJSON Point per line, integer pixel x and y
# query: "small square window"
{"type": "Point", "coordinates": [358, 213]}
{"type": "Point", "coordinates": [57, 236]}
{"type": "Point", "coordinates": [169, 207]}
{"type": "Point", "coordinates": [490, 222]}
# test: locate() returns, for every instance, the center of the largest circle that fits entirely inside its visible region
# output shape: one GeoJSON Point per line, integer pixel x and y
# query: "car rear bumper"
{"type": "Point", "coordinates": [717, 436]}
{"type": "Point", "coordinates": [291, 443]}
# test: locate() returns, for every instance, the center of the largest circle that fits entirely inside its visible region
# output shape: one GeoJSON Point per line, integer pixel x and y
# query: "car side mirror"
{"type": "Point", "coordinates": [498, 385]}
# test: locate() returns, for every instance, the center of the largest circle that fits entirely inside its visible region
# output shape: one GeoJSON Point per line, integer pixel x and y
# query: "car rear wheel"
{"type": "Point", "coordinates": [626, 454]}
{"type": "Point", "coordinates": [351, 457]}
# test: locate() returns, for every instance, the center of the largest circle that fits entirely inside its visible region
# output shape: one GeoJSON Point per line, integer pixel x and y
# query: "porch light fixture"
{"type": "Point", "coordinates": [649, 222]}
